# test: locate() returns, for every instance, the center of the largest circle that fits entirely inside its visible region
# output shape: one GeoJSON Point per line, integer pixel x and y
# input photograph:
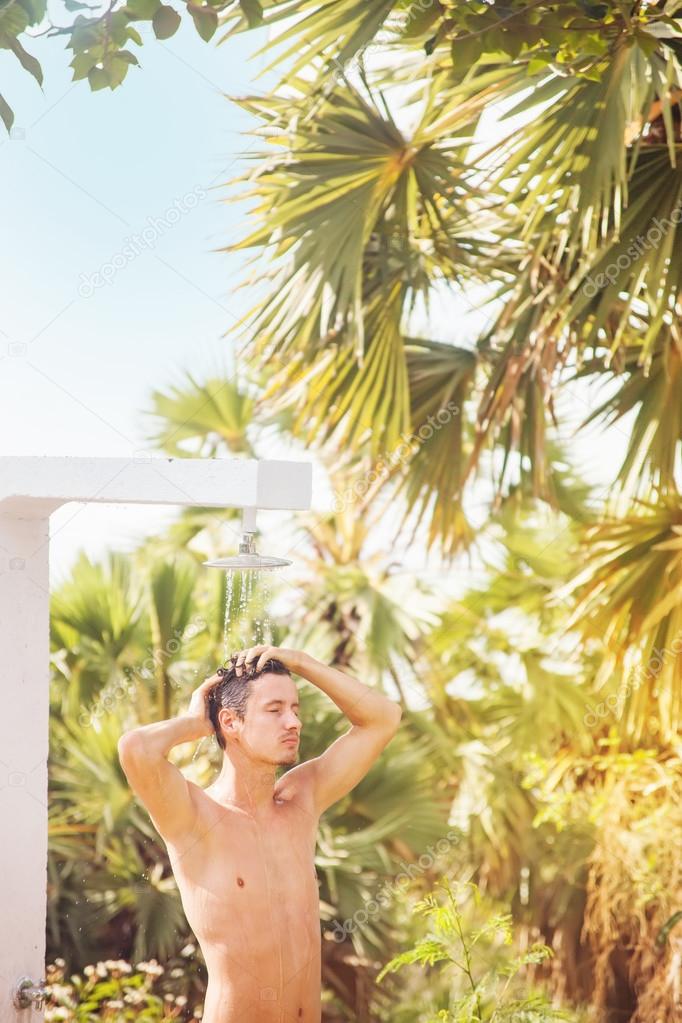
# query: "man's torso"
{"type": "Point", "coordinates": [249, 890]}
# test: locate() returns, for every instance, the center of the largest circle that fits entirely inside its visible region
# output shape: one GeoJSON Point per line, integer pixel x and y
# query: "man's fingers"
{"type": "Point", "coordinates": [265, 656]}
{"type": "Point", "coordinates": [243, 660]}
{"type": "Point", "coordinates": [253, 651]}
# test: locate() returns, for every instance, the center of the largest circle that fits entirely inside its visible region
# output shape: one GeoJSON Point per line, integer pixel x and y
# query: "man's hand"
{"type": "Point", "coordinates": [256, 656]}
{"type": "Point", "coordinates": [198, 706]}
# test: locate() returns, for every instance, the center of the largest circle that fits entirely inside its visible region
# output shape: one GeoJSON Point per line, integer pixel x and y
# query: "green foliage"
{"type": "Point", "coordinates": [360, 221]}
{"type": "Point", "coordinates": [565, 33]}
{"type": "Point", "coordinates": [485, 986]}
{"type": "Point", "coordinates": [202, 418]}
{"type": "Point", "coordinates": [499, 757]}
{"type": "Point", "coordinates": [570, 218]}
{"type": "Point", "coordinates": [15, 17]}
{"type": "Point", "coordinates": [99, 39]}
{"type": "Point", "coordinates": [132, 637]}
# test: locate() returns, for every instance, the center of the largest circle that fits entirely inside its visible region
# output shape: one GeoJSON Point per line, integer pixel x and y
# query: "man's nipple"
{"type": "Point", "coordinates": [240, 882]}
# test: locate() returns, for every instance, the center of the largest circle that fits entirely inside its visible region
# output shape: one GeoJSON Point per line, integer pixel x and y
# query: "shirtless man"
{"type": "Point", "coordinates": [242, 849]}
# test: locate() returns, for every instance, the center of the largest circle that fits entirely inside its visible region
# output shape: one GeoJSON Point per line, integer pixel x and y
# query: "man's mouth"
{"type": "Point", "coordinates": [291, 739]}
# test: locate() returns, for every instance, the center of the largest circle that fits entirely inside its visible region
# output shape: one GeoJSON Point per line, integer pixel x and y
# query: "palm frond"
{"type": "Point", "coordinates": [630, 596]}
{"type": "Point", "coordinates": [570, 163]}
{"type": "Point", "coordinates": [202, 418]}
{"type": "Point", "coordinates": [339, 27]}
{"type": "Point", "coordinates": [652, 458]}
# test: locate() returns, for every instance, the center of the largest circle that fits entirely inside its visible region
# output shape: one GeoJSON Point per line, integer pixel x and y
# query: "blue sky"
{"type": "Point", "coordinates": [84, 173]}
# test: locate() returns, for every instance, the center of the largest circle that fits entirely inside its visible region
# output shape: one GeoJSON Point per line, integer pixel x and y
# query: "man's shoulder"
{"type": "Point", "coordinates": [207, 809]}
{"type": "Point", "coordinates": [208, 813]}
{"type": "Point", "coordinates": [297, 785]}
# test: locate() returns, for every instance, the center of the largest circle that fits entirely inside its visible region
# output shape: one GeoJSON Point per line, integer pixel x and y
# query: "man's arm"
{"type": "Point", "coordinates": [374, 721]}
{"type": "Point", "coordinates": [160, 785]}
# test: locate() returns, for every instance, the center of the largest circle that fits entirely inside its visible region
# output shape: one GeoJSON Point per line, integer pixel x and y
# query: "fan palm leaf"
{"type": "Point", "coordinates": [171, 603]}
{"type": "Point", "coordinates": [569, 166]}
{"type": "Point", "coordinates": [630, 595]}
{"type": "Point", "coordinates": [366, 217]}
{"type": "Point", "coordinates": [655, 397]}
{"type": "Point", "coordinates": [202, 418]}
{"type": "Point", "coordinates": [341, 26]}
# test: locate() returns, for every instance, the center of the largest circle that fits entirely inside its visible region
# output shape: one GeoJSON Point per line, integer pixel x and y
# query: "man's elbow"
{"type": "Point", "coordinates": [130, 748]}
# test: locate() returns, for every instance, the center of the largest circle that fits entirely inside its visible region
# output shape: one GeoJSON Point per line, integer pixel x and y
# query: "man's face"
{"type": "Point", "coordinates": [271, 719]}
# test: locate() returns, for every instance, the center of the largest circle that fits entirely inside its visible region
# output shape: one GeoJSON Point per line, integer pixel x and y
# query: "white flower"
{"type": "Point", "coordinates": [60, 991]}
{"type": "Point", "coordinates": [152, 968]}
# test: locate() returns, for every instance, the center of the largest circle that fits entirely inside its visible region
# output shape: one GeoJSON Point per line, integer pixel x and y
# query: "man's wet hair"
{"type": "Point", "coordinates": [233, 690]}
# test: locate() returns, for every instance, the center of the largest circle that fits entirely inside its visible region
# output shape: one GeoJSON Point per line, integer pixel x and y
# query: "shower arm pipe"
{"type": "Point", "coordinates": [249, 520]}
{"type": "Point", "coordinates": [249, 529]}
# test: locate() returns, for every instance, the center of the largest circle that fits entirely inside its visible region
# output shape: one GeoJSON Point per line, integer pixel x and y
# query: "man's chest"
{"type": "Point", "coordinates": [238, 861]}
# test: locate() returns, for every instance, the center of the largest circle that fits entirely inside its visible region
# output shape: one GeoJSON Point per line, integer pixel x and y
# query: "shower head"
{"type": "Point", "coordinates": [247, 558]}
{"type": "Point", "coordinates": [241, 562]}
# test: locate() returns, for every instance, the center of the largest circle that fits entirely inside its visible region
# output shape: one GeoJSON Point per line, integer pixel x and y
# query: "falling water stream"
{"type": "Point", "coordinates": [253, 593]}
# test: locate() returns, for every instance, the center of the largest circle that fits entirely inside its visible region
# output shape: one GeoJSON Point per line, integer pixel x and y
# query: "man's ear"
{"type": "Point", "coordinates": [226, 719]}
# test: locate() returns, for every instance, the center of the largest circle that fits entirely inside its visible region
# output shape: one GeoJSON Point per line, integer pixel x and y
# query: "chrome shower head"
{"type": "Point", "coordinates": [245, 561]}
{"type": "Point", "coordinates": [247, 558]}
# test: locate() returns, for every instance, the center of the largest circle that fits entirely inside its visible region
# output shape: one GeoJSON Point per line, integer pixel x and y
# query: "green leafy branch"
{"type": "Point", "coordinates": [487, 995]}
{"type": "Point", "coordinates": [99, 39]}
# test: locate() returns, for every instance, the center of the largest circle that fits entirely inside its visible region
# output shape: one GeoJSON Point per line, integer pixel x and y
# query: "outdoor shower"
{"type": "Point", "coordinates": [31, 488]}
{"type": "Point", "coordinates": [248, 557]}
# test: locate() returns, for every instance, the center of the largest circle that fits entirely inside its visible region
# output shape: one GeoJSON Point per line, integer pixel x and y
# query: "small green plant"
{"type": "Point", "coordinates": [485, 986]}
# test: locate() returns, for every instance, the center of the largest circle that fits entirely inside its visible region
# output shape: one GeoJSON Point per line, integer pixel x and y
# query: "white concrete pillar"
{"type": "Point", "coordinates": [24, 708]}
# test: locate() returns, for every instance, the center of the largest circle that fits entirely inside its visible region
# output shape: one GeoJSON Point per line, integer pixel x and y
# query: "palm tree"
{"type": "Point", "coordinates": [376, 200]}
{"type": "Point", "coordinates": [387, 186]}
